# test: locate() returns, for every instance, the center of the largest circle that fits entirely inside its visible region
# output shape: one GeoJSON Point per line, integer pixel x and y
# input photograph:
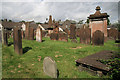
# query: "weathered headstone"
{"type": "Point", "coordinates": [54, 36]}
{"type": "Point", "coordinates": [27, 31]}
{"type": "Point", "coordinates": [85, 35]}
{"type": "Point", "coordinates": [0, 36]}
{"type": "Point", "coordinates": [113, 33]}
{"type": "Point", "coordinates": [119, 35]}
{"type": "Point", "coordinates": [17, 40]}
{"type": "Point", "coordinates": [49, 67]}
{"type": "Point", "coordinates": [31, 33]}
{"type": "Point", "coordinates": [72, 31]}
{"type": "Point", "coordinates": [39, 34]}
{"type": "Point", "coordinates": [23, 34]}
{"type": "Point", "coordinates": [78, 32]}
{"type": "Point", "coordinates": [63, 37]}
{"type": "Point", "coordinates": [98, 38]}
{"type": "Point", "coordinates": [5, 38]}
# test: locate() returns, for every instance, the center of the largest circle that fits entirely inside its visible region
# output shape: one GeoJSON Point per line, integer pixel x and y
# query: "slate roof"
{"type": "Point", "coordinates": [45, 26]}
{"type": "Point", "coordinates": [11, 25]}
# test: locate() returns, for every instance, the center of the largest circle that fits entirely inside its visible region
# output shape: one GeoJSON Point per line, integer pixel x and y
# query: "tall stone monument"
{"type": "Point", "coordinates": [50, 21]}
{"type": "Point", "coordinates": [98, 21]}
{"type": "Point", "coordinates": [72, 31]}
{"type": "Point", "coordinates": [5, 38]}
{"type": "Point", "coordinates": [39, 34]}
{"type": "Point", "coordinates": [17, 40]}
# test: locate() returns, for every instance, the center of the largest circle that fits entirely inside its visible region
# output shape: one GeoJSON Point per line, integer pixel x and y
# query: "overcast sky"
{"type": "Point", "coordinates": [39, 10]}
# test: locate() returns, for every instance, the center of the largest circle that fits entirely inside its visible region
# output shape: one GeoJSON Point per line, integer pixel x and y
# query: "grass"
{"type": "Point", "coordinates": [29, 66]}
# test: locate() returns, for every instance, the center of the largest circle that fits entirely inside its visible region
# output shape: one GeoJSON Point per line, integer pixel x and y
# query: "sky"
{"type": "Point", "coordinates": [39, 10]}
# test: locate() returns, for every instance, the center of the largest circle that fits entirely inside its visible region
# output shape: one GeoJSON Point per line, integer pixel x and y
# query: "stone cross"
{"type": "Point", "coordinates": [31, 33]}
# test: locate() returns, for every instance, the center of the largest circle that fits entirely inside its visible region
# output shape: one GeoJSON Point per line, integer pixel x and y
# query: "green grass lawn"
{"type": "Point", "coordinates": [28, 65]}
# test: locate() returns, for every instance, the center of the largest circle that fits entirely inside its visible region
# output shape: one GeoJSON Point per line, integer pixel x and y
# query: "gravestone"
{"type": "Point", "coordinates": [113, 33]}
{"type": "Point", "coordinates": [49, 67]}
{"type": "Point", "coordinates": [39, 34]}
{"type": "Point", "coordinates": [54, 36]}
{"type": "Point", "coordinates": [78, 32]}
{"type": "Point", "coordinates": [85, 35]}
{"type": "Point", "coordinates": [31, 33]}
{"type": "Point", "coordinates": [98, 38]}
{"type": "Point", "coordinates": [27, 31]}
{"type": "Point", "coordinates": [119, 35]}
{"type": "Point", "coordinates": [5, 37]}
{"type": "Point", "coordinates": [17, 40]}
{"type": "Point", "coordinates": [72, 31]}
{"type": "Point", "coordinates": [23, 34]}
{"type": "Point", "coordinates": [0, 36]}
{"type": "Point", "coordinates": [63, 37]}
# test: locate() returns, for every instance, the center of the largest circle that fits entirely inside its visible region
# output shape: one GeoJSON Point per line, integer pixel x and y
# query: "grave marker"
{"type": "Point", "coordinates": [54, 36]}
{"type": "Point", "coordinates": [113, 33]}
{"type": "Point", "coordinates": [63, 37]}
{"type": "Point", "coordinates": [72, 31]}
{"type": "Point", "coordinates": [49, 67]}
{"type": "Point", "coordinates": [39, 34]}
{"type": "Point", "coordinates": [85, 35]}
{"type": "Point", "coordinates": [17, 40]}
{"type": "Point", "coordinates": [98, 38]}
{"type": "Point", "coordinates": [31, 33]}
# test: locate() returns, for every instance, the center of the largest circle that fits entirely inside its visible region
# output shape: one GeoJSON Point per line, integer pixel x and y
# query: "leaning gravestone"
{"type": "Point", "coordinates": [72, 31]}
{"type": "Point", "coordinates": [23, 34]}
{"type": "Point", "coordinates": [54, 36]}
{"type": "Point", "coordinates": [0, 36]}
{"type": "Point", "coordinates": [98, 38]}
{"type": "Point", "coordinates": [5, 38]}
{"type": "Point", "coordinates": [17, 40]}
{"type": "Point", "coordinates": [85, 35]}
{"type": "Point", "coordinates": [39, 34]}
{"type": "Point", "coordinates": [49, 67]}
{"type": "Point", "coordinates": [27, 31]}
{"type": "Point", "coordinates": [113, 33]}
{"type": "Point", "coordinates": [119, 35]}
{"type": "Point", "coordinates": [63, 37]}
{"type": "Point", "coordinates": [78, 32]}
{"type": "Point", "coordinates": [31, 33]}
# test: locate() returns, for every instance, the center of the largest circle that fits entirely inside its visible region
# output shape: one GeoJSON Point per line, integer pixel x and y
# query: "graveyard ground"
{"type": "Point", "coordinates": [29, 65]}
